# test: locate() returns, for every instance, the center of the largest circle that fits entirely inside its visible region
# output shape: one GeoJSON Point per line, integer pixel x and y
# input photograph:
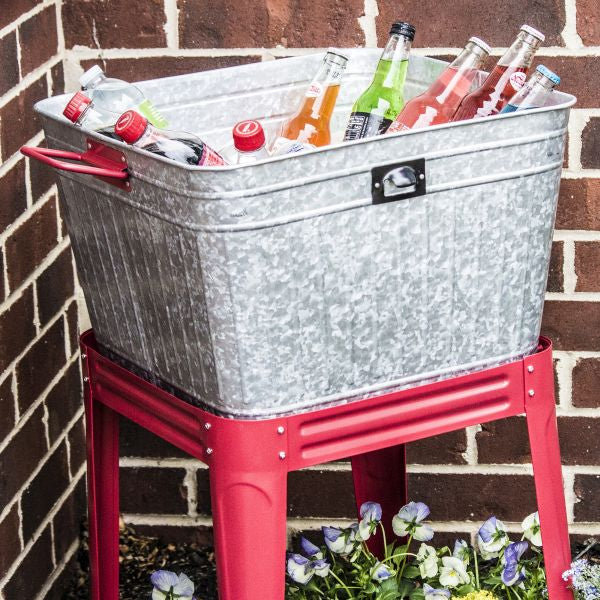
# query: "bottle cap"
{"type": "Point", "coordinates": [405, 29]}
{"type": "Point", "coordinates": [534, 32]}
{"type": "Point", "coordinates": [551, 75]}
{"type": "Point", "coordinates": [90, 75]}
{"type": "Point", "coordinates": [480, 43]}
{"type": "Point", "coordinates": [131, 126]}
{"type": "Point", "coordinates": [76, 105]}
{"type": "Point", "coordinates": [337, 53]}
{"type": "Point", "coordinates": [248, 136]}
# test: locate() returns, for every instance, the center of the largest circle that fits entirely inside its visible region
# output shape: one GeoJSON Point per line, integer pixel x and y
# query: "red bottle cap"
{"type": "Point", "coordinates": [75, 107]}
{"type": "Point", "coordinates": [248, 136]}
{"type": "Point", "coordinates": [131, 126]}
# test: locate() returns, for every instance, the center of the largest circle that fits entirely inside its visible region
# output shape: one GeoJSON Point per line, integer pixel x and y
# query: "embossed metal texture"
{"type": "Point", "coordinates": [281, 286]}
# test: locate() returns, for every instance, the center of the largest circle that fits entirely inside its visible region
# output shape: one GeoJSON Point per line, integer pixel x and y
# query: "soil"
{"type": "Point", "coordinates": [139, 557]}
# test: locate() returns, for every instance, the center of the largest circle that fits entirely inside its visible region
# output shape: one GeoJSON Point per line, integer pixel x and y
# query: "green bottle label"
{"type": "Point", "coordinates": [147, 109]}
{"type": "Point", "coordinates": [363, 124]}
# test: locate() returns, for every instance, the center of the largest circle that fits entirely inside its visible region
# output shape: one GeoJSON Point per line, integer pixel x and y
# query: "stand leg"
{"type": "Point", "coordinates": [249, 519]}
{"type": "Point", "coordinates": [380, 476]}
{"type": "Point", "coordinates": [102, 433]}
{"type": "Point", "coordinates": [545, 456]}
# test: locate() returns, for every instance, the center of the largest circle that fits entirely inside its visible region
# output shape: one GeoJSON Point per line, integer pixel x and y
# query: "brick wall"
{"type": "Point", "coordinates": [42, 469]}
{"type": "Point", "coordinates": [464, 475]}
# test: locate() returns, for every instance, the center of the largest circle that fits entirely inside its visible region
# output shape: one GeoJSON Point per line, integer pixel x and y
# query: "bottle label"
{"type": "Point", "coordinates": [362, 125]}
{"type": "Point", "coordinates": [283, 146]}
{"type": "Point", "coordinates": [517, 80]}
{"type": "Point", "coordinates": [315, 89]}
{"type": "Point", "coordinates": [397, 126]}
{"type": "Point", "coordinates": [147, 109]}
{"type": "Point", "coordinates": [210, 158]}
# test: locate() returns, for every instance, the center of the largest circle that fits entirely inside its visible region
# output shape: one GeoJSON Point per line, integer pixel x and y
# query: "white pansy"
{"type": "Point", "coordinates": [531, 529]}
{"type": "Point", "coordinates": [428, 561]}
{"type": "Point", "coordinates": [453, 572]}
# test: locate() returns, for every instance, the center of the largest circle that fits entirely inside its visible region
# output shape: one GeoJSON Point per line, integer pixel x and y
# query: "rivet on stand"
{"type": "Point", "coordinates": [209, 451]}
{"type": "Point", "coordinates": [84, 355]}
{"type": "Point", "coordinates": [282, 455]}
{"type": "Point", "coordinates": [86, 379]}
{"type": "Point", "coordinates": [532, 393]}
{"type": "Point", "coordinates": [281, 430]}
{"type": "Point", "coordinates": [207, 425]}
{"type": "Point", "coordinates": [530, 369]}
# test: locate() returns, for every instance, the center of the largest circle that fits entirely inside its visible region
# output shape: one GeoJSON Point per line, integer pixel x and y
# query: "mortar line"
{"type": "Point", "coordinates": [569, 33]}
{"type": "Point", "coordinates": [42, 4]}
{"type": "Point", "coordinates": [569, 273]}
{"type": "Point", "coordinates": [42, 594]}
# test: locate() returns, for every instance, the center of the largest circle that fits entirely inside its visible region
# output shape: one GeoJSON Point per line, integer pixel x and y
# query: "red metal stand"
{"type": "Point", "coordinates": [249, 460]}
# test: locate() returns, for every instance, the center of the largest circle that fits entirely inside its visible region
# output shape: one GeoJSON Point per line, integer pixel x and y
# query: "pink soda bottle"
{"type": "Point", "coordinates": [507, 78]}
{"type": "Point", "coordinates": [439, 103]}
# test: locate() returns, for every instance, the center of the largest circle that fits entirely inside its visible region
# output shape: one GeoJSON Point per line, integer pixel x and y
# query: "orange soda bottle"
{"type": "Point", "coordinates": [308, 128]}
{"type": "Point", "coordinates": [439, 102]}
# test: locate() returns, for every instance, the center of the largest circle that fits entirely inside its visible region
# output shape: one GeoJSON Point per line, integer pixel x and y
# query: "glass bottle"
{"type": "Point", "coordinates": [535, 92]}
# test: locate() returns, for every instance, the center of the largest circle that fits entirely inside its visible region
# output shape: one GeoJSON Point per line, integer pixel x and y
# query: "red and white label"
{"type": "Point", "coordinates": [210, 158]}
{"type": "Point", "coordinates": [247, 128]}
{"type": "Point", "coordinates": [517, 80]}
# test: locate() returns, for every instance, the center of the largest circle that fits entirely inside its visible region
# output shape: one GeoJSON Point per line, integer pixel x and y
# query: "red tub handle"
{"type": "Point", "coordinates": [49, 156]}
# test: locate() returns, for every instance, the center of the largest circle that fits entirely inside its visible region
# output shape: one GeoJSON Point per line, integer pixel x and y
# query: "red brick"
{"type": "Point", "coordinates": [139, 69]}
{"type": "Point", "coordinates": [42, 178]}
{"type": "Point", "coordinates": [590, 149]}
{"type": "Point", "coordinates": [16, 328]}
{"type": "Point", "coordinates": [2, 285]}
{"type": "Point", "coordinates": [587, 490]}
{"type": "Point", "coordinates": [7, 409]}
{"type": "Point", "coordinates": [44, 491]}
{"type": "Point", "coordinates": [38, 37]}
{"type": "Point", "coordinates": [440, 449]}
{"type": "Point", "coordinates": [19, 121]}
{"type": "Point", "coordinates": [115, 24]}
{"type": "Point", "coordinates": [40, 365]}
{"type": "Point", "coordinates": [572, 325]}
{"type": "Point", "coordinates": [153, 490]}
{"type": "Point", "coordinates": [139, 442]}
{"type": "Point", "coordinates": [579, 441]}
{"type": "Point", "coordinates": [588, 22]}
{"type": "Point", "coordinates": [452, 25]}
{"type": "Point", "coordinates": [9, 534]}
{"type": "Point", "coordinates": [291, 23]}
{"type": "Point", "coordinates": [555, 274]}
{"type": "Point", "coordinates": [579, 204]}
{"type": "Point", "coordinates": [77, 451]}
{"type": "Point", "coordinates": [55, 285]}
{"type": "Point", "coordinates": [586, 383]}
{"type": "Point", "coordinates": [64, 580]}
{"type": "Point", "coordinates": [22, 455]}
{"type": "Point", "coordinates": [474, 497]}
{"type": "Point", "coordinates": [9, 65]}
{"type": "Point", "coordinates": [321, 493]}
{"type": "Point", "coordinates": [28, 245]}
{"type": "Point", "coordinates": [14, 9]}
{"type": "Point", "coordinates": [587, 258]}
{"type": "Point", "coordinates": [67, 520]}
{"type": "Point", "coordinates": [72, 319]}
{"type": "Point", "coordinates": [63, 401]}
{"type": "Point", "coordinates": [14, 195]}
{"type": "Point", "coordinates": [33, 571]}
{"type": "Point", "coordinates": [58, 79]}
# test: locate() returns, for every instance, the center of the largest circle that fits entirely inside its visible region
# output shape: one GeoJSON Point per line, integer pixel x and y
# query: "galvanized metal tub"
{"type": "Point", "coordinates": [283, 286]}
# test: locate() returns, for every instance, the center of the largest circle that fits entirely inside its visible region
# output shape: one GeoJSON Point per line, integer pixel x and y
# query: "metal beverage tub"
{"type": "Point", "coordinates": [296, 283]}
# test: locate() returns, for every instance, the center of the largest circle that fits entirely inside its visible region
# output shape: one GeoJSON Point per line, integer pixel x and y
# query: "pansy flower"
{"type": "Point", "coordinates": [381, 572]}
{"type": "Point", "coordinates": [491, 538]}
{"type": "Point", "coordinates": [511, 574]}
{"type": "Point", "coordinates": [370, 516]}
{"type": "Point", "coordinates": [453, 572]}
{"type": "Point", "coordinates": [428, 561]}
{"type": "Point", "coordinates": [531, 529]}
{"type": "Point", "coordinates": [433, 594]}
{"type": "Point", "coordinates": [169, 585]}
{"type": "Point", "coordinates": [338, 541]}
{"type": "Point", "coordinates": [409, 519]}
{"type": "Point", "coordinates": [299, 568]}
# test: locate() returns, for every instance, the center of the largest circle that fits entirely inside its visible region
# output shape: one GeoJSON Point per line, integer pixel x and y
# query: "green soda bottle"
{"type": "Point", "coordinates": [382, 101]}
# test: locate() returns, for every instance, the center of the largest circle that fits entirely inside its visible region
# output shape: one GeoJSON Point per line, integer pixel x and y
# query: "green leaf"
{"type": "Point", "coordinates": [411, 572]}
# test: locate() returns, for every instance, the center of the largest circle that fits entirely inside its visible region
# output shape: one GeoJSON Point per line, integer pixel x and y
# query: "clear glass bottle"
{"type": "Point", "coordinates": [118, 96]}
{"type": "Point", "coordinates": [309, 127]}
{"type": "Point", "coordinates": [83, 112]}
{"type": "Point", "coordinates": [135, 129]}
{"type": "Point", "coordinates": [535, 92]}
{"type": "Point", "coordinates": [505, 80]}
{"type": "Point", "coordinates": [439, 102]}
{"type": "Point", "coordinates": [380, 104]}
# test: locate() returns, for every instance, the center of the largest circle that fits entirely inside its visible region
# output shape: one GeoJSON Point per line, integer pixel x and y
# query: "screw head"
{"type": "Point", "coordinates": [530, 369]}
{"type": "Point", "coordinates": [281, 430]}
{"type": "Point", "coordinates": [282, 455]}
{"type": "Point", "coordinates": [83, 355]}
{"type": "Point", "coordinates": [209, 451]}
{"type": "Point", "coordinates": [86, 379]}
{"type": "Point", "coordinates": [377, 185]}
{"type": "Point", "coordinates": [532, 393]}
{"type": "Point", "coordinates": [207, 426]}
